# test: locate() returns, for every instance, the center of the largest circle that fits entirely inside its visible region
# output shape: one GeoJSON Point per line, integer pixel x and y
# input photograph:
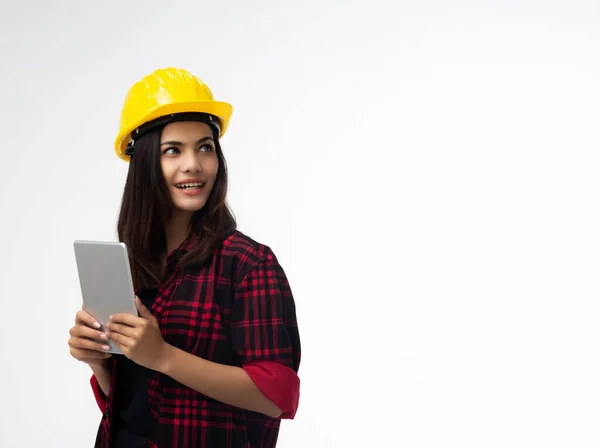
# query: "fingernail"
{"type": "Point", "coordinates": [103, 336]}
{"type": "Point", "coordinates": [110, 317]}
{"type": "Point", "coordinates": [105, 347]}
{"type": "Point", "coordinates": [97, 324]}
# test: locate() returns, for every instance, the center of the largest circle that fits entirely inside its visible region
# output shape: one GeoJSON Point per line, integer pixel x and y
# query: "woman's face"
{"type": "Point", "coordinates": [189, 163]}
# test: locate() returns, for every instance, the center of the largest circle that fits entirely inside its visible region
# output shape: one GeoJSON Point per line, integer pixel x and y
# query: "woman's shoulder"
{"type": "Point", "coordinates": [240, 245]}
{"type": "Point", "coordinates": [243, 253]}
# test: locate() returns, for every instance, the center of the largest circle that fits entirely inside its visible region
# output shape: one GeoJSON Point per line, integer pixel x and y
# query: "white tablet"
{"type": "Point", "coordinates": [105, 279]}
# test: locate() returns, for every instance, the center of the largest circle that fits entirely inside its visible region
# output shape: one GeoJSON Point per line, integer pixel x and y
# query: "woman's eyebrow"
{"type": "Point", "coordinates": [176, 143]}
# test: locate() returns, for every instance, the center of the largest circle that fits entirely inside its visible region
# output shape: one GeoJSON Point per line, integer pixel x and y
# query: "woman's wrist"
{"type": "Point", "coordinates": [102, 373]}
{"type": "Point", "coordinates": [165, 359]}
{"type": "Point", "coordinates": [100, 366]}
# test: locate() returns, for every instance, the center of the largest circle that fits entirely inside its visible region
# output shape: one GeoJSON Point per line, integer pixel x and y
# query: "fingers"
{"type": "Point", "coordinates": [144, 312]}
{"type": "Point", "coordinates": [83, 316]}
{"type": "Point", "coordinates": [76, 342]}
{"type": "Point", "coordinates": [120, 339]}
{"type": "Point", "coordinates": [125, 330]}
{"type": "Point", "coordinates": [86, 332]}
{"type": "Point", "coordinates": [86, 342]}
{"type": "Point", "coordinates": [127, 319]}
{"type": "Point", "coordinates": [82, 354]}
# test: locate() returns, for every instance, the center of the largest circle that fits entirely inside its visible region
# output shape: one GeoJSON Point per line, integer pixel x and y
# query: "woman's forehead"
{"type": "Point", "coordinates": [186, 130]}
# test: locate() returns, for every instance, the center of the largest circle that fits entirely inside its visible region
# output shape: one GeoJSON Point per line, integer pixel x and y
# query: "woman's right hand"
{"type": "Point", "coordinates": [83, 348]}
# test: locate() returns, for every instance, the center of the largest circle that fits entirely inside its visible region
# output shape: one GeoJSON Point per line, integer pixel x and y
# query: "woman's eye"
{"type": "Point", "coordinates": [175, 150]}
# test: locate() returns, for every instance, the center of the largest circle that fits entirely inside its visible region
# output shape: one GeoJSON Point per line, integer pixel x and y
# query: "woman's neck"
{"type": "Point", "coordinates": [176, 230]}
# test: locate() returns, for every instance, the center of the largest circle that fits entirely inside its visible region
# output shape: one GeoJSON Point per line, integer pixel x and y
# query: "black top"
{"type": "Point", "coordinates": [132, 418]}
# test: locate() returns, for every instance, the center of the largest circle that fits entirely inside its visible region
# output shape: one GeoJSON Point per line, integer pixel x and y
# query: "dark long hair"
{"type": "Point", "coordinates": [146, 207]}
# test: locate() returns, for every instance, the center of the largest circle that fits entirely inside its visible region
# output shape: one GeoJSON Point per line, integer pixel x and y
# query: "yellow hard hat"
{"type": "Point", "coordinates": [165, 92]}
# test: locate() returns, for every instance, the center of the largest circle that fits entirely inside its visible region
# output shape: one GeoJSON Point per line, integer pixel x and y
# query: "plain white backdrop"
{"type": "Point", "coordinates": [427, 173]}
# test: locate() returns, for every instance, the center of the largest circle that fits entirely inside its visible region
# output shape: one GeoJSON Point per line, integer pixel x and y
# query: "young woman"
{"type": "Point", "coordinates": [212, 359]}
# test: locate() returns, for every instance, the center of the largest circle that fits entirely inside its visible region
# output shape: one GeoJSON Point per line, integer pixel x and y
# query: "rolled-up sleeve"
{"type": "Point", "coordinates": [265, 333]}
{"type": "Point", "coordinates": [98, 394]}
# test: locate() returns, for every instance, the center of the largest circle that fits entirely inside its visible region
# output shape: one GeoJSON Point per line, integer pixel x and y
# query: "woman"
{"type": "Point", "coordinates": [212, 359]}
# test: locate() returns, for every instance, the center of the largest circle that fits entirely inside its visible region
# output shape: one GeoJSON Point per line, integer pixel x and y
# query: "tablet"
{"type": "Point", "coordinates": [105, 279]}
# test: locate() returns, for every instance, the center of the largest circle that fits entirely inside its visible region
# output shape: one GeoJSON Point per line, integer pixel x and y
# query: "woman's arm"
{"type": "Point", "coordinates": [265, 339]}
{"type": "Point", "coordinates": [102, 372]}
{"type": "Point", "coordinates": [227, 384]}
{"type": "Point", "coordinates": [140, 340]}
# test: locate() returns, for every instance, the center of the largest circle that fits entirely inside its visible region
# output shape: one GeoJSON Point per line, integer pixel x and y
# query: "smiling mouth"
{"type": "Point", "coordinates": [190, 186]}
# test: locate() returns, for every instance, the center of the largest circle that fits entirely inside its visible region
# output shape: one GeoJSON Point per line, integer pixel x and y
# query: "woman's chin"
{"type": "Point", "coordinates": [189, 206]}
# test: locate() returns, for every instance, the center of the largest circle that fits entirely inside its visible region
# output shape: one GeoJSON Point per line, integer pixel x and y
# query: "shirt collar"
{"type": "Point", "coordinates": [183, 248]}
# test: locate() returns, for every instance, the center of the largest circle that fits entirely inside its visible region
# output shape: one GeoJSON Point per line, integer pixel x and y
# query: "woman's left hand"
{"type": "Point", "coordinates": [138, 337]}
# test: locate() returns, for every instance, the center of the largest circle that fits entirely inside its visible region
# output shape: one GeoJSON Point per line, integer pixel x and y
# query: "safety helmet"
{"type": "Point", "coordinates": [163, 93]}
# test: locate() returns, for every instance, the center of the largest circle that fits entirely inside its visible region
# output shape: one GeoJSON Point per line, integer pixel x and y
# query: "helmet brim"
{"type": "Point", "coordinates": [218, 108]}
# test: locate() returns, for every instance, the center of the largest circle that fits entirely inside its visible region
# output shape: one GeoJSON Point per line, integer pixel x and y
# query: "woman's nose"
{"type": "Point", "coordinates": [190, 162]}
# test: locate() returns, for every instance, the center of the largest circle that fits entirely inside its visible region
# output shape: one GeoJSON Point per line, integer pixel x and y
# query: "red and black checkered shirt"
{"type": "Point", "coordinates": [238, 310]}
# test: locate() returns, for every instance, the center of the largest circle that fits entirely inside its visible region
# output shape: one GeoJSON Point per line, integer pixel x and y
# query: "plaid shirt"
{"type": "Point", "coordinates": [237, 310]}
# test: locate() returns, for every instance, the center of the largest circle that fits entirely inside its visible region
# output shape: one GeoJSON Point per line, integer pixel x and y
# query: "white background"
{"type": "Point", "coordinates": [426, 171]}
